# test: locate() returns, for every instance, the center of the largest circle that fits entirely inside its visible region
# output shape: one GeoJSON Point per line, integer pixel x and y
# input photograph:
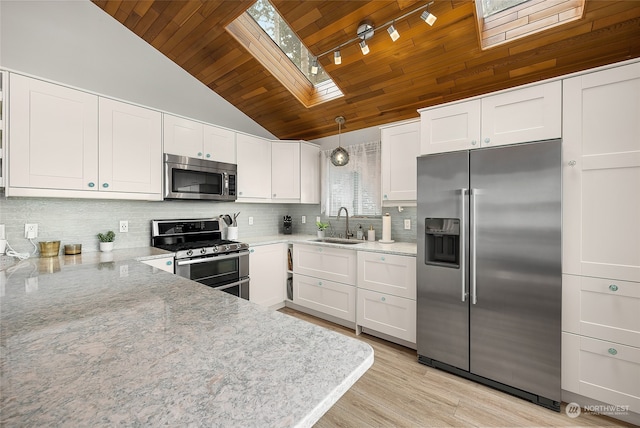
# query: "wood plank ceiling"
{"type": "Point", "coordinates": [425, 67]}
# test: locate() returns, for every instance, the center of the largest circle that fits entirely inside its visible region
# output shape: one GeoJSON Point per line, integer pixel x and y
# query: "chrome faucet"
{"type": "Point", "coordinates": [347, 234]}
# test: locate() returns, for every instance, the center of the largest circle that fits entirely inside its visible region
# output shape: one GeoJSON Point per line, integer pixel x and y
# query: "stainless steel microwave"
{"type": "Point", "coordinates": [192, 178]}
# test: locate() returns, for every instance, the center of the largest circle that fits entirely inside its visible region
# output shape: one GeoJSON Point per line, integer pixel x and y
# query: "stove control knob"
{"type": "Point", "coordinates": [237, 246]}
{"type": "Point", "coordinates": [215, 248]}
{"type": "Point", "coordinates": [203, 251]}
{"type": "Point", "coordinates": [189, 253]}
{"type": "Point", "coordinates": [227, 247]}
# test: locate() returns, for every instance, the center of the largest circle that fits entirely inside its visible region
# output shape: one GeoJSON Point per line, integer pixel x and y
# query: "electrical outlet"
{"type": "Point", "coordinates": [124, 226]}
{"type": "Point", "coordinates": [31, 230]}
{"type": "Point", "coordinates": [304, 219]}
{"type": "Point", "coordinates": [407, 224]}
{"type": "Point", "coordinates": [124, 271]}
{"type": "Point", "coordinates": [250, 221]}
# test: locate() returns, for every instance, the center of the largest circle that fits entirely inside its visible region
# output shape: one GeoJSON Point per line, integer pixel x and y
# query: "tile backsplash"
{"type": "Point", "coordinates": [77, 221]}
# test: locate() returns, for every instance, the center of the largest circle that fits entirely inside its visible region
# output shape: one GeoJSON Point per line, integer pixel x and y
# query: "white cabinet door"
{"type": "Point", "coordinates": [164, 263]}
{"type": "Point", "coordinates": [601, 308]}
{"type": "Point", "coordinates": [601, 174]}
{"type": "Point", "coordinates": [130, 142]}
{"type": "Point", "coordinates": [392, 315]}
{"type": "Point", "coordinates": [219, 144]}
{"type": "Point", "coordinates": [601, 370]}
{"type": "Point", "coordinates": [334, 264]}
{"type": "Point", "coordinates": [309, 173]}
{"type": "Point", "coordinates": [387, 273]}
{"type": "Point", "coordinates": [450, 128]}
{"type": "Point", "coordinates": [54, 136]}
{"type": "Point", "coordinates": [522, 115]}
{"type": "Point", "coordinates": [400, 148]}
{"type": "Point", "coordinates": [285, 170]}
{"type": "Point", "coordinates": [182, 137]}
{"type": "Point", "coordinates": [254, 167]}
{"type": "Point", "coordinates": [267, 269]}
{"type": "Point", "coordinates": [329, 297]}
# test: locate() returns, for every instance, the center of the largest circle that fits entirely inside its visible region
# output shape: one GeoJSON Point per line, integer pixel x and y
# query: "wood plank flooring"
{"type": "Point", "coordinates": [397, 391]}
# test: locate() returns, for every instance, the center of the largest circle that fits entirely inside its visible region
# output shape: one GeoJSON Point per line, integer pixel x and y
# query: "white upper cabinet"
{"type": "Point", "coordinates": [400, 148]}
{"type": "Point", "coordinates": [54, 138]}
{"type": "Point", "coordinates": [285, 171]}
{"type": "Point", "coordinates": [220, 144]}
{"type": "Point", "coordinates": [527, 114]}
{"type": "Point", "coordinates": [194, 139]}
{"type": "Point", "coordinates": [130, 142]}
{"type": "Point", "coordinates": [69, 143]}
{"type": "Point", "coordinates": [309, 173]}
{"type": "Point", "coordinates": [254, 168]}
{"type": "Point", "coordinates": [601, 174]}
{"type": "Point", "coordinates": [450, 128]}
{"type": "Point", "coordinates": [533, 113]}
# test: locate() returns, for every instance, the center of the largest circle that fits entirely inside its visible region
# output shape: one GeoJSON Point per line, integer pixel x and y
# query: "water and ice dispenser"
{"type": "Point", "coordinates": [442, 242]}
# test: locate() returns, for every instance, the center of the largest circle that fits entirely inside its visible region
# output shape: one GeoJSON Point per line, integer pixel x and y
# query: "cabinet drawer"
{"type": "Point", "coordinates": [329, 297]}
{"type": "Point", "coordinates": [334, 264]}
{"type": "Point", "coordinates": [601, 308]}
{"type": "Point", "coordinates": [601, 370]}
{"type": "Point", "coordinates": [395, 316]}
{"type": "Point", "coordinates": [387, 273]}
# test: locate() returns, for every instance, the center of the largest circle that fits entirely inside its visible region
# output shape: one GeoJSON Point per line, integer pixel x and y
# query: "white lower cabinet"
{"type": "Point", "coordinates": [164, 263]}
{"type": "Point", "coordinates": [329, 297]}
{"type": "Point", "coordinates": [604, 371]}
{"type": "Point", "coordinates": [388, 314]}
{"type": "Point", "coordinates": [267, 267]}
{"type": "Point", "coordinates": [324, 280]}
{"type": "Point", "coordinates": [387, 294]}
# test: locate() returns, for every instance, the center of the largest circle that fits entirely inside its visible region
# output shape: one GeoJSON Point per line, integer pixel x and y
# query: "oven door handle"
{"type": "Point", "coordinates": [211, 259]}
{"type": "Point", "coordinates": [233, 284]}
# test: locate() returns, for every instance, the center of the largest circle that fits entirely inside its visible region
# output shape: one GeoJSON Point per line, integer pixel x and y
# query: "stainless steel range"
{"type": "Point", "coordinates": [202, 255]}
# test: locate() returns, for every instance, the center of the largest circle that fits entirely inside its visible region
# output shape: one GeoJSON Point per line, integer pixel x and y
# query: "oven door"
{"type": "Point", "coordinates": [227, 272]}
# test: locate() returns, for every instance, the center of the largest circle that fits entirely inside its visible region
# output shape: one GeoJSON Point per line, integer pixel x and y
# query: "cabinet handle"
{"type": "Point", "coordinates": [92, 184]}
{"type": "Point", "coordinates": [386, 197]}
{"type": "Point", "coordinates": [572, 163]}
{"type": "Point", "coordinates": [613, 287]}
{"type": "Point", "coordinates": [612, 351]}
{"type": "Point", "coordinates": [382, 258]}
{"type": "Point", "coordinates": [474, 142]}
{"type": "Point", "coordinates": [274, 195]}
{"type": "Point", "coordinates": [384, 299]}
{"type": "Point", "coordinates": [487, 140]}
{"type": "Point", "coordinates": [319, 282]}
{"type": "Point", "coordinates": [169, 262]}
{"type": "Point", "coordinates": [251, 250]}
{"type": "Point", "coordinates": [319, 250]}
{"type": "Point", "coordinates": [199, 153]}
{"type": "Point", "coordinates": [105, 185]}
{"type": "Point", "coordinates": [208, 155]}
{"type": "Point", "coordinates": [239, 193]}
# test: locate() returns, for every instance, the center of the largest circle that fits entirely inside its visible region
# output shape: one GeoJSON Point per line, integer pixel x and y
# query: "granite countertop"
{"type": "Point", "coordinates": [399, 248]}
{"type": "Point", "coordinates": [93, 342]}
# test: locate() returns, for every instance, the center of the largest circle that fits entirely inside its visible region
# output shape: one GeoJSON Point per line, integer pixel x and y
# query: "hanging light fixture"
{"type": "Point", "coordinates": [339, 156]}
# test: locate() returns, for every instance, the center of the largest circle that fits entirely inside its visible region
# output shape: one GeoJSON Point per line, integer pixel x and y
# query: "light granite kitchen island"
{"type": "Point", "coordinates": [121, 343]}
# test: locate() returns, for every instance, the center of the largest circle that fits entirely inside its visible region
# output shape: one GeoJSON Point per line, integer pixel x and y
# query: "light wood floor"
{"type": "Point", "coordinates": [397, 391]}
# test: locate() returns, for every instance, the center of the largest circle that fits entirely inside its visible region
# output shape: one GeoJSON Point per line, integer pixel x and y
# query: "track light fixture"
{"type": "Point", "coordinates": [393, 33]}
{"type": "Point", "coordinates": [314, 66]}
{"type": "Point", "coordinates": [366, 29]}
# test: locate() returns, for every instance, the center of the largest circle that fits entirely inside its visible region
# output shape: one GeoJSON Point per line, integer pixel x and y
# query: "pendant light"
{"type": "Point", "coordinates": [339, 156]}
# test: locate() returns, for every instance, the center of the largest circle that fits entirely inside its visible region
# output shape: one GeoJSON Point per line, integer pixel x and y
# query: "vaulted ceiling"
{"type": "Point", "coordinates": [425, 67]}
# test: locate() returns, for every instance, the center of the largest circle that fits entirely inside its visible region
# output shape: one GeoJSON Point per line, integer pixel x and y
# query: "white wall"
{"type": "Point", "coordinates": [76, 43]}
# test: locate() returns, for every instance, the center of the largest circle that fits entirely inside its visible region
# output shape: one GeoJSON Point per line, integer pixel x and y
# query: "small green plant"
{"type": "Point", "coordinates": [321, 225]}
{"type": "Point", "coordinates": [107, 237]}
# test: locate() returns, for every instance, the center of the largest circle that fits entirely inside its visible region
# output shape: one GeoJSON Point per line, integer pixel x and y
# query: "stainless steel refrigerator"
{"type": "Point", "coordinates": [489, 267]}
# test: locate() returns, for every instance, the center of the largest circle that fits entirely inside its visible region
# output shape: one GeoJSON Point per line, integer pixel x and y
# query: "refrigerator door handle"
{"type": "Point", "coordinates": [463, 246]}
{"type": "Point", "coordinates": [472, 265]}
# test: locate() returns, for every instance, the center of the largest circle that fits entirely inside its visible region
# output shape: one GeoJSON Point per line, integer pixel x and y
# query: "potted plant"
{"type": "Point", "coordinates": [106, 240]}
{"type": "Point", "coordinates": [321, 228]}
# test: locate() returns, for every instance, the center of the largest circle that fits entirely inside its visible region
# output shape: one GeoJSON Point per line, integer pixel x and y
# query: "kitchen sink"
{"type": "Point", "coordinates": [338, 241]}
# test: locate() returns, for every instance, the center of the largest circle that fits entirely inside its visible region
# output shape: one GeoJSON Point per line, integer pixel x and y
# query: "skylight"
{"type": "Point", "coordinates": [268, 18]}
{"type": "Point", "coordinates": [491, 7]}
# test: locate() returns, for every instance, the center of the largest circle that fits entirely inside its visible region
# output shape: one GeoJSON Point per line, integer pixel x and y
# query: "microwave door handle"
{"type": "Point", "coordinates": [225, 184]}
{"type": "Point", "coordinates": [211, 259]}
